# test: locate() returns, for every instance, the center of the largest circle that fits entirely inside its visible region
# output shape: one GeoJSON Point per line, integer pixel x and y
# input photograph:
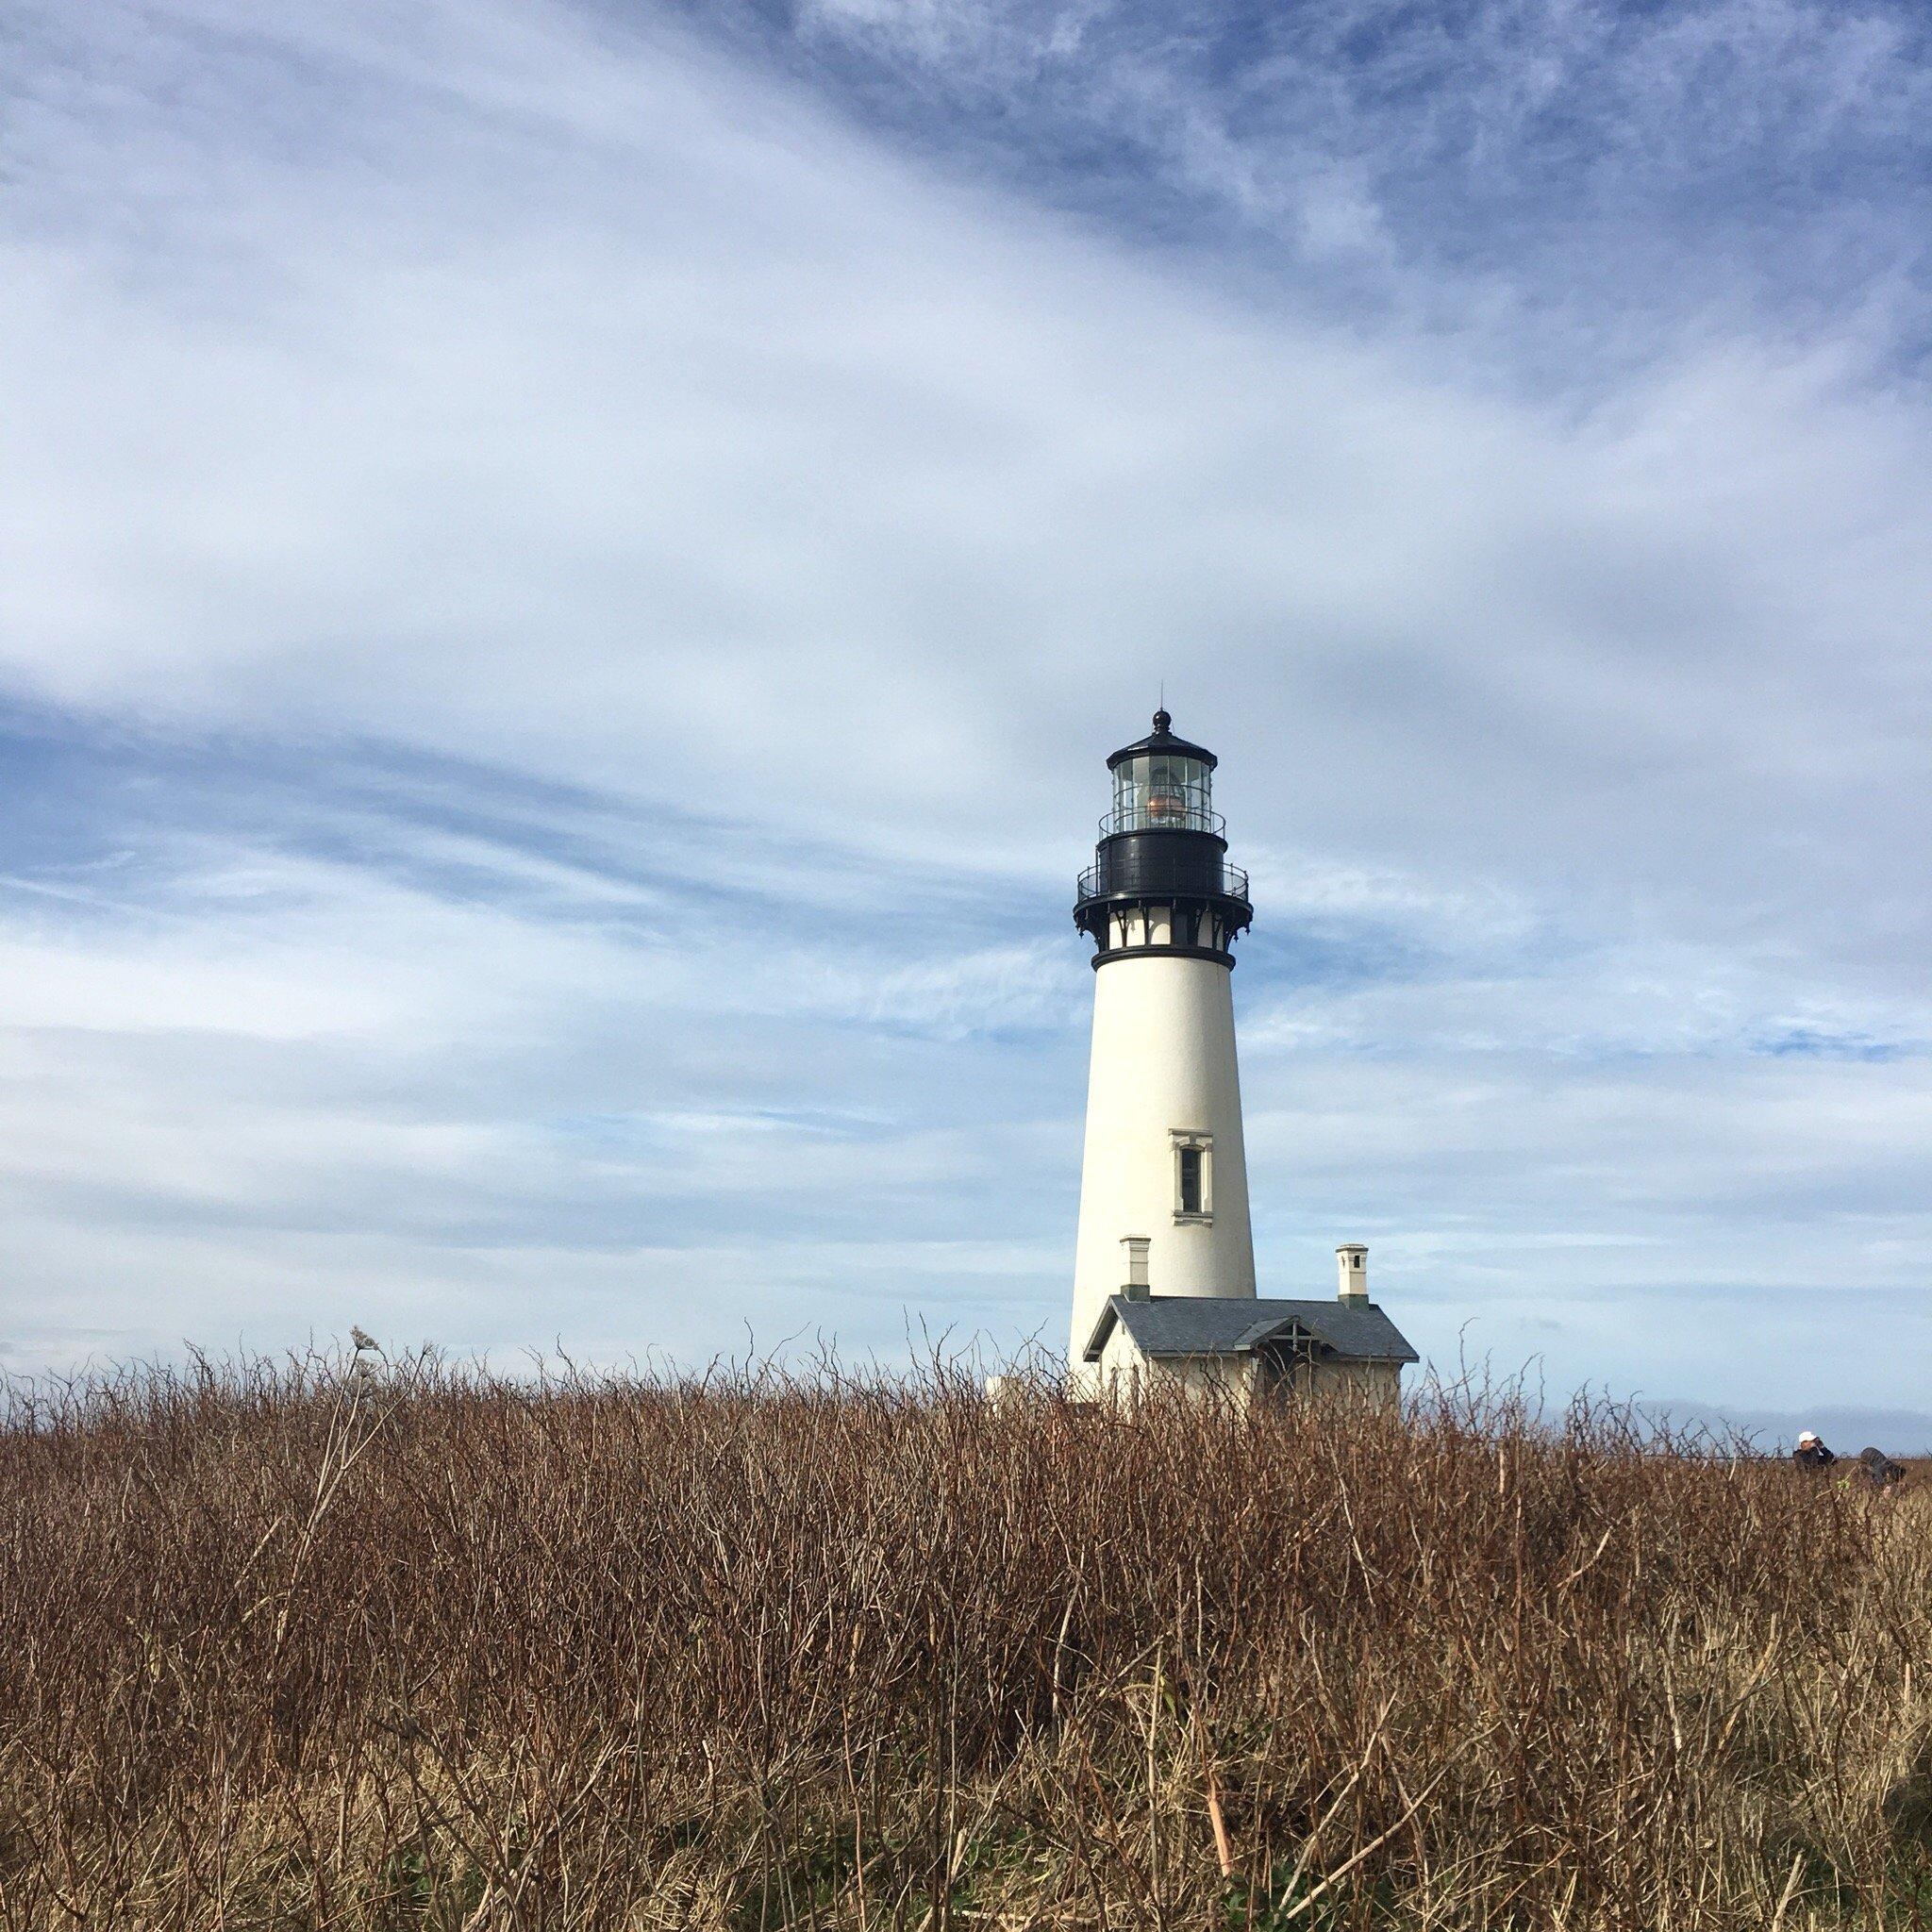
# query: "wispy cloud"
{"type": "Point", "coordinates": [1585, 184]}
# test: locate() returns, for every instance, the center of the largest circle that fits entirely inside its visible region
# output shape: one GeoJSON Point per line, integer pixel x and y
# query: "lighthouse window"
{"type": "Point", "coordinates": [1193, 1198]}
{"type": "Point", "coordinates": [1193, 1176]}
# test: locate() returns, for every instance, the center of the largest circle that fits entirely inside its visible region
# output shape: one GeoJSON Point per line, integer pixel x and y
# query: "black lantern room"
{"type": "Point", "coordinates": [1160, 881]}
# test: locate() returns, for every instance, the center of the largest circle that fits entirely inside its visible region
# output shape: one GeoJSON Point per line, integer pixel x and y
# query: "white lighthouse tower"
{"type": "Point", "coordinates": [1164, 1180]}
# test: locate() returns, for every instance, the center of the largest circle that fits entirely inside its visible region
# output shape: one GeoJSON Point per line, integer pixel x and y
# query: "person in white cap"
{"type": "Point", "coordinates": [1812, 1454]}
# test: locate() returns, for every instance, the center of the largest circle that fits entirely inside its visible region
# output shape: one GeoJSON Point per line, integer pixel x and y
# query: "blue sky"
{"type": "Point", "coordinates": [570, 570]}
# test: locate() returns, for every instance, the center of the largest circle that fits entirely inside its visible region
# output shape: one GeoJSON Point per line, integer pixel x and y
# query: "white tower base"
{"type": "Point", "coordinates": [1162, 1083]}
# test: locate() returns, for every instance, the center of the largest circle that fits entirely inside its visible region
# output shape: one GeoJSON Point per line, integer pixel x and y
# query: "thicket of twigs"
{"type": "Point", "coordinates": [290, 1646]}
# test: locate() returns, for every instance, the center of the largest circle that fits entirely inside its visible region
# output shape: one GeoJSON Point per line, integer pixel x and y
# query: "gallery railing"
{"type": "Point", "coordinates": [1134, 877]}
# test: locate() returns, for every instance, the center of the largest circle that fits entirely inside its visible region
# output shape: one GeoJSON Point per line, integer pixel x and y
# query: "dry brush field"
{"type": "Point", "coordinates": [282, 1646]}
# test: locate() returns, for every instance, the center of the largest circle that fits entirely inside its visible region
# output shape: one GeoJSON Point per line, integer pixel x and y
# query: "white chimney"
{"type": "Point", "coordinates": [1352, 1264]}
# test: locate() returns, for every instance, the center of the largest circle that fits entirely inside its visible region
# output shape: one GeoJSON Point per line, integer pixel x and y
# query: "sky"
{"type": "Point", "coordinates": [568, 571]}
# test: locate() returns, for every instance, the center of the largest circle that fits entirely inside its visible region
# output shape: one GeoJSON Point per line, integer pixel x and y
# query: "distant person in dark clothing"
{"type": "Point", "coordinates": [1811, 1455]}
{"type": "Point", "coordinates": [1880, 1471]}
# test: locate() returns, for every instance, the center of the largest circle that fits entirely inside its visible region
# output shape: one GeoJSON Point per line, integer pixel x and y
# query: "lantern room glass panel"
{"type": "Point", "coordinates": [1157, 791]}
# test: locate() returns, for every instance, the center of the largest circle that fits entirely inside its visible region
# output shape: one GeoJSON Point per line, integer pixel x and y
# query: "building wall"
{"type": "Point", "coordinates": [1163, 1062]}
{"type": "Point", "coordinates": [1125, 1377]}
{"type": "Point", "coordinates": [1379, 1382]}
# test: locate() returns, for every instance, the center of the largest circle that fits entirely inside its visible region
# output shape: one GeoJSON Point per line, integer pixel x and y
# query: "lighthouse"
{"type": "Point", "coordinates": [1164, 1176]}
{"type": "Point", "coordinates": [1164, 1269]}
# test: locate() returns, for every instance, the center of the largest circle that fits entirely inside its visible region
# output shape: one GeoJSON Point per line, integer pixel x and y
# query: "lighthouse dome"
{"type": "Point", "coordinates": [1161, 739]}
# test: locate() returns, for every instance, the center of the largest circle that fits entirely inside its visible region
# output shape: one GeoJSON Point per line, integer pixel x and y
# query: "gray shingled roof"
{"type": "Point", "coordinates": [1235, 1324]}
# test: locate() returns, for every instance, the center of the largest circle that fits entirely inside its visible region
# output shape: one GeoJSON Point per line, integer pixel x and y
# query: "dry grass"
{"type": "Point", "coordinates": [282, 1647]}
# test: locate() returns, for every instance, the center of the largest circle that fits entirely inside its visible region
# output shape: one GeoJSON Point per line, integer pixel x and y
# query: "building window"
{"type": "Point", "coordinates": [1194, 1177]}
